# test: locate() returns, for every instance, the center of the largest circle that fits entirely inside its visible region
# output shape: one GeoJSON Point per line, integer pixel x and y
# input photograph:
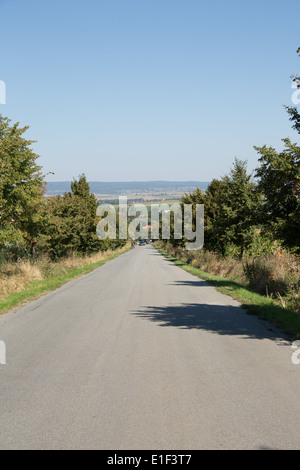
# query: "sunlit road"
{"type": "Point", "coordinates": [140, 354]}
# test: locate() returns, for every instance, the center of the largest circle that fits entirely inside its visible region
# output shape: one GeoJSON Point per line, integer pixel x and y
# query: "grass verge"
{"type": "Point", "coordinates": [256, 304]}
{"type": "Point", "coordinates": [37, 288]}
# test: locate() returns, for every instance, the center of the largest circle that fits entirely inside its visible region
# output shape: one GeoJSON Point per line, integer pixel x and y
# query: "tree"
{"type": "Point", "coordinates": [81, 189]}
{"type": "Point", "coordinates": [279, 180]}
{"type": "Point", "coordinates": [211, 199]}
{"type": "Point", "coordinates": [72, 223]}
{"type": "Point", "coordinates": [234, 219]}
{"type": "Point", "coordinates": [230, 205]}
{"type": "Point", "coordinates": [21, 187]}
{"type": "Point", "coordinates": [68, 225]}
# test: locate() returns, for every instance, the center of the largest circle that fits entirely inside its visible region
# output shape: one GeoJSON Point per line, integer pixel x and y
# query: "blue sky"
{"type": "Point", "coordinates": [125, 90]}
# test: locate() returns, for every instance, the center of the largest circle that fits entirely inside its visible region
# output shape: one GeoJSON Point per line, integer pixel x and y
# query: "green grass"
{"type": "Point", "coordinates": [263, 307]}
{"type": "Point", "coordinates": [40, 287]}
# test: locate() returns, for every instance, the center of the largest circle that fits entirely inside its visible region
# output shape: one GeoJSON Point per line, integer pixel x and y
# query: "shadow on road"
{"type": "Point", "coordinates": [202, 283]}
{"type": "Point", "coordinates": [218, 319]}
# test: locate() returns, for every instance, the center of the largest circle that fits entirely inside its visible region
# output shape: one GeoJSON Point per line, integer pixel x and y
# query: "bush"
{"type": "Point", "coordinates": [273, 275]}
{"type": "Point", "coordinates": [12, 253]}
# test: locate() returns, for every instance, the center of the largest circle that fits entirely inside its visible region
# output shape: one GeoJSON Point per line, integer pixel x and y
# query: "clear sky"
{"type": "Point", "coordinates": [125, 90]}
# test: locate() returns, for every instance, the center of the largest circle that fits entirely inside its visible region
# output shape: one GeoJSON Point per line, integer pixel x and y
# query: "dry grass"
{"type": "Point", "coordinates": [276, 275]}
{"type": "Point", "coordinates": [210, 262]}
{"type": "Point", "coordinates": [15, 277]}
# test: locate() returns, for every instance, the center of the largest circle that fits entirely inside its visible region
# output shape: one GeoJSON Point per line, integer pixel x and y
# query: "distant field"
{"type": "Point", "coordinates": [140, 198]}
{"type": "Point", "coordinates": [136, 191]}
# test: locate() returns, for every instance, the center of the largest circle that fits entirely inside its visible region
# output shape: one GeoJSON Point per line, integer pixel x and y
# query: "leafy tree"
{"type": "Point", "coordinates": [211, 199]}
{"type": "Point", "coordinates": [279, 180]}
{"type": "Point", "coordinates": [195, 197]}
{"type": "Point", "coordinates": [68, 225]}
{"type": "Point", "coordinates": [21, 186]}
{"type": "Point", "coordinates": [234, 219]}
{"type": "Point", "coordinates": [81, 189]}
{"type": "Point", "coordinates": [72, 223]}
{"type": "Point", "coordinates": [229, 207]}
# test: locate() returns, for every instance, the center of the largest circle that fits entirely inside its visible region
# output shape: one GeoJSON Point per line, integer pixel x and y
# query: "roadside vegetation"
{"type": "Point", "coordinates": [28, 279]}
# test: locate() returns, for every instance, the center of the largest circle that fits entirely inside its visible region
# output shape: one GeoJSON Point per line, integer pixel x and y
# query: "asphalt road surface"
{"type": "Point", "coordinates": [140, 354]}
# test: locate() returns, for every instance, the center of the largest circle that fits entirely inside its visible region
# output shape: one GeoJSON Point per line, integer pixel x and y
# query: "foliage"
{"type": "Point", "coordinates": [71, 221]}
{"type": "Point", "coordinates": [21, 187]}
{"type": "Point", "coordinates": [230, 207]}
{"type": "Point", "coordinates": [236, 213]}
{"type": "Point", "coordinates": [279, 180]}
{"type": "Point", "coordinates": [67, 227]}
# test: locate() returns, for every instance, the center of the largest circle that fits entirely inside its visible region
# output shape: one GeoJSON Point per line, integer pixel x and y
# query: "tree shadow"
{"type": "Point", "coordinates": [200, 282]}
{"type": "Point", "coordinates": [217, 319]}
{"type": "Point", "coordinates": [154, 254]}
{"type": "Point", "coordinates": [278, 317]}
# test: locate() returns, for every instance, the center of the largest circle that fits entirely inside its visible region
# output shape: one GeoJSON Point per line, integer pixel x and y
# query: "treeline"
{"type": "Point", "coordinates": [31, 224]}
{"type": "Point", "coordinates": [245, 213]}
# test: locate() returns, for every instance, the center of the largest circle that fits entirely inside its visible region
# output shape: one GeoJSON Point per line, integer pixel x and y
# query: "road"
{"type": "Point", "coordinates": [139, 354]}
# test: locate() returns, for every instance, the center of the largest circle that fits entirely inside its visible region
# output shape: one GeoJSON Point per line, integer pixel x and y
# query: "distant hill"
{"type": "Point", "coordinates": [123, 188]}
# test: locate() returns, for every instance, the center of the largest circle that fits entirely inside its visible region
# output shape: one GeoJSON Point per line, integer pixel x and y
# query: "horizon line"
{"type": "Point", "coordinates": [136, 181]}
